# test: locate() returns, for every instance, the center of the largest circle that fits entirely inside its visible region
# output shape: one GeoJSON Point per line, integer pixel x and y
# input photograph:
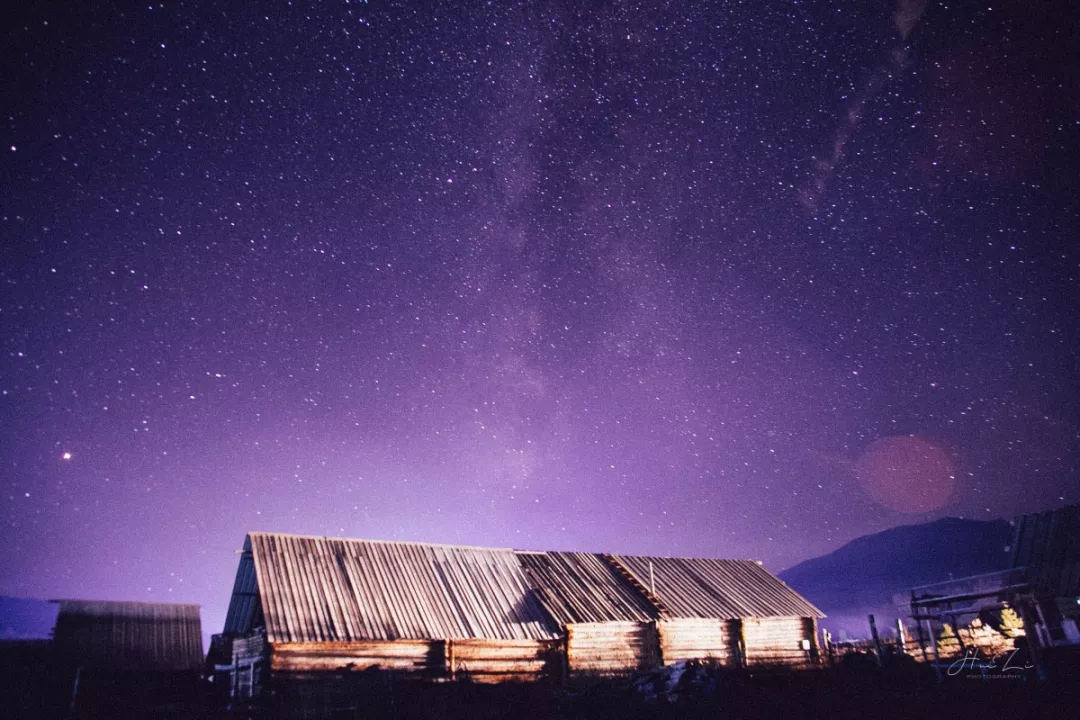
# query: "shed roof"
{"type": "Point", "coordinates": [316, 589]}
{"type": "Point", "coordinates": [712, 588]}
{"type": "Point", "coordinates": [132, 635]}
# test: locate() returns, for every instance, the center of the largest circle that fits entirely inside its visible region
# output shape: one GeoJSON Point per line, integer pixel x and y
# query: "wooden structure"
{"type": "Point", "coordinates": [734, 612]}
{"type": "Point", "coordinates": [1047, 544]}
{"type": "Point", "coordinates": [129, 635]}
{"type": "Point", "coordinates": [1043, 586]}
{"type": "Point", "coordinates": [125, 658]}
{"type": "Point", "coordinates": [308, 609]}
{"type": "Point", "coordinates": [627, 613]}
{"type": "Point", "coordinates": [610, 624]}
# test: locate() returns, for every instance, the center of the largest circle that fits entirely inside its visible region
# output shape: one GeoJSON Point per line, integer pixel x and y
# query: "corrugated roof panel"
{"type": "Point", "coordinates": [704, 587]}
{"type": "Point", "coordinates": [131, 635]}
{"type": "Point", "coordinates": [318, 589]}
{"type": "Point", "coordinates": [577, 587]}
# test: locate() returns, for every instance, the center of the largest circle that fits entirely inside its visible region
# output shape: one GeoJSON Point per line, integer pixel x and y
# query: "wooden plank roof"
{"type": "Point", "coordinates": [712, 588]}
{"type": "Point", "coordinates": [576, 587]}
{"type": "Point", "coordinates": [316, 589]}
{"type": "Point", "coordinates": [245, 595]}
{"type": "Point", "coordinates": [130, 635]}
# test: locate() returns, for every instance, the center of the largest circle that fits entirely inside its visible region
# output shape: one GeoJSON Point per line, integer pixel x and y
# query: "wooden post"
{"type": "Point", "coordinates": [922, 639]}
{"type": "Point", "coordinates": [450, 660]}
{"type": "Point", "coordinates": [933, 644]}
{"type": "Point", "coordinates": [1043, 622]}
{"type": "Point", "coordinates": [956, 629]}
{"type": "Point", "coordinates": [1031, 638]}
{"type": "Point", "coordinates": [877, 640]}
{"type": "Point", "coordinates": [933, 640]}
{"type": "Point", "coordinates": [75, 688]}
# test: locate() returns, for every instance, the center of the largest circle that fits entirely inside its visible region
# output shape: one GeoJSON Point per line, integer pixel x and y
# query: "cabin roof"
{"type": "Point", "coordinates": [715, 588]}
{"type": "Point", "coordinates": [133, 635]}
{"type": "Point", "coordinates": [317, 589]}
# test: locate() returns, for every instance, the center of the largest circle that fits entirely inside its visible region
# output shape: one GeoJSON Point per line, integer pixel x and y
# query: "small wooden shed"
{"type": "Point", "coordinates": [117, 658]}
{"type": "Point", "coordinates": [139, 636]}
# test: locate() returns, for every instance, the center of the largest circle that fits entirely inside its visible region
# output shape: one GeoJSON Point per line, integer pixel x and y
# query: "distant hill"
{"type": "Point", "coordinates": [863, 576]}
{"type": "Point", "coordinates": [26, 619]}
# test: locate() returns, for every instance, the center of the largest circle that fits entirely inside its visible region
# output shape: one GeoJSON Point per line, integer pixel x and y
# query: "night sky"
{"type": "Point", "coordinates": [736, 279]}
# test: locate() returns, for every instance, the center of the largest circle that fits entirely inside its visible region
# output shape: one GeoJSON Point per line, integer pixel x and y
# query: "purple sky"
{"type": "Point", "coordinates": [671, 278]}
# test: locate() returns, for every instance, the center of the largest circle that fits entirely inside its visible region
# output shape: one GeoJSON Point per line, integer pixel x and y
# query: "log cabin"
{"type": "Point", "coordinates": [305, 609]}
{"type": "Point", "coordinates": [626, 613]}
{"type": "Point", "coordinates": [310, 609]}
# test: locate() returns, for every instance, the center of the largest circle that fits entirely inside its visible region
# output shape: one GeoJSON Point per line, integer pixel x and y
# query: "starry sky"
{"type": "Point", "coordinates": [738, 279]}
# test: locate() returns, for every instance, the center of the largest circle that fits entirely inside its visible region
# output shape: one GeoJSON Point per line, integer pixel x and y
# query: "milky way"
{"type": "Point", "coordinates": [527, 275]}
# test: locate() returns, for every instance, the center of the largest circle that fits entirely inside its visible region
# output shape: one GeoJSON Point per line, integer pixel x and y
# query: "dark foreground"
{"type": "Point", "coordinates": [857, 689]}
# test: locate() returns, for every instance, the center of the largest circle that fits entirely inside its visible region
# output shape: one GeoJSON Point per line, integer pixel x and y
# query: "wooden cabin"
{"type": "Point", "coordinates": [311, 608]}
{"type": "Point", "coordinates": [625, 613]}
{"type": "Point", "coordinates": [305, 608]}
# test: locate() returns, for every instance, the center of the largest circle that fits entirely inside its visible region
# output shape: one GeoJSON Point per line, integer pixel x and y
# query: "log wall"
{"type": "Point", "coordinates": [611, 648]}
{"type": "Point", "coordinates": [501, 660]}
{"type": "Point", "coordinates": [698, 639]}
{"type": "Point", "coordinates": [405, 655]}
{"type": "Point", "coordinates": [479, 660]}
{"type": "Point", "coordinates": [779, 641]}
{"type": "Point", "coordinates": [606, 649]}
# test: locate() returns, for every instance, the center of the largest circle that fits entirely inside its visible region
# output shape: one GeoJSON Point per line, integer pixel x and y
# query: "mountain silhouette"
{"type": "Point", "coordinates": [873, 573]}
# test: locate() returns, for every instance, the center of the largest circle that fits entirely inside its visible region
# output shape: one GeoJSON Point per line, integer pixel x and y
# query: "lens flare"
{"type": "Point", "coordinates": [907, 474]}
